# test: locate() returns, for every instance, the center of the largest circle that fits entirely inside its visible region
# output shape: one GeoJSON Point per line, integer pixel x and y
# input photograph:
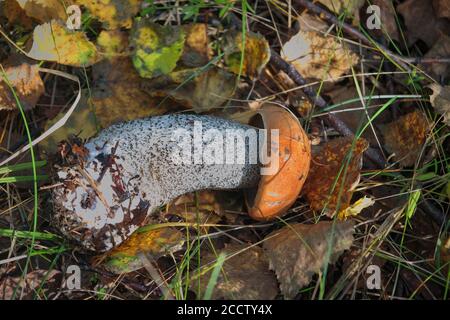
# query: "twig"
{"type": "Point", "coordinates": [352, 31]}
{"type": "Point", "coordinates": [318, 101]}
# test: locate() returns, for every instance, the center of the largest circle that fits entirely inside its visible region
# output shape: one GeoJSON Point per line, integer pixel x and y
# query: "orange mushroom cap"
{"type": "Point", "coordinates": [278, 191]}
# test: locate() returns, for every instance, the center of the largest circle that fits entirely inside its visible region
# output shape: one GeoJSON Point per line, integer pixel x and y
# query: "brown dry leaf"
{"type": "Point", "coordinates": [387, 17]}
{"type": "Point", "coordinates": [405, 137]}
{"type": "Point", "coordinates": [156, 242]}
{"type": "Point", "coordinates": [15, 14]}
{"type": "Point", "coordinates": [43, 10]}
{"type": "Point", "coordinates": [196, 88]}
{"type": "Point", "coordinates": [421, 21]}
{"type": "Point", "coordinates": [440, 100]}
{"type": "Point", "coordinates": [52, 41]}
{"type": "Point", "coordinates": [27, 83]}
{"type": "Point", "coordinates": [324, 183]}
{"type": "Point", "coordinates": [195, 53]}
{"type": "Point", "coordinates": [442, 8]}
{"type": "Point", "coordinates": [117, 94]}
{"type": "Point", "coordinates": [245, 276]}
{"type": "Point", "coordinates": [31, 282]}
{"type": "Point", "coordinates": [315, 55]}
{"type": "Point", "coordinates": [256, 53]}
{"type": "Point", "coordinates": [441, 49]}
{"type": "Point", "coordinates": [81, 123]}
{"type": "Point", "coordinates": [298, 251]}
{"type": "Point", "coordinates": [113, 13]}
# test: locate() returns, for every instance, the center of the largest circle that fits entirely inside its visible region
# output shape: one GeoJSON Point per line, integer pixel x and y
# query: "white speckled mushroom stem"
{"type": "Point", "coordinates": [130, 172]}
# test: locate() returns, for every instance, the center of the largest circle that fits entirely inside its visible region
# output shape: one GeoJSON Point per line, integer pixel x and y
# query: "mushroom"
{"type": "Point", "coordinates": [133, 168]}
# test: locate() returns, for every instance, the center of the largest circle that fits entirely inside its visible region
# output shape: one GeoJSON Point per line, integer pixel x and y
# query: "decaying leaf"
{"type": "Point", "coordinates": [195, 53]}
{"type": "Point", "coordinates": [255, 56]}
{"type": "Point", "coordinates": [52, 41]}
{"type": "Point", "coordinates": [156, 48]}
{"type": "Point", "coordinates": [440, 100]}
{"type": "Point", "coordinates": [201, 208]}
{"type": "Point", "coordinates": [15, 14]}
{"type": "Point", "coordinates": [43, 10]}
{"type": "Point", "coordinates": [81, 123]}
{"type": "Point", "coordinates": [12, 287]}
{"type": "Point", "coordinates": [325, 188]}
{"type": "Point", "coordinates": [421, 21]}
{"type": "Point", "coordinates": [442, 8]}
{"type": "Point", "coordinates": [318, 56]}
{"type": "Point", "coordinates": [405, 137]}
{"type": "Point", "coordinates": [118, 94]}
{"type": "Point", "coordinates": [387, 18]}
{"type": "Point", "coordinates": [157, 243]}
{"type": "Point", "coordinates": [113, 13]}
{"type": "Point", "coordinates": [26, 82]}
{"type": "Point", "coordinates": [199, 89]}
{"type": "Point", "coordinates": [112, 43]}
{"type": "Point", "coordinates": [298, 251]}
{"type": "Point", "coordinates": [244, 276]}
{"type": "Point", "coordinates": [440, 49]}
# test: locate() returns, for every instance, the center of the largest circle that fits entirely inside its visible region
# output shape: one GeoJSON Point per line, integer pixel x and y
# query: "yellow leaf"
{"type": "Point", "coordinates": [52, 41]}
{"type": "Point", "coordinates": [356, 208]}
{"type": "Point", "coordinates": [113, 13]}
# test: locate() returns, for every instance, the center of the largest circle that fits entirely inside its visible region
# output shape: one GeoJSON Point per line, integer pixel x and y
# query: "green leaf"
{"type": "Point", "coordinates": [157, 48]}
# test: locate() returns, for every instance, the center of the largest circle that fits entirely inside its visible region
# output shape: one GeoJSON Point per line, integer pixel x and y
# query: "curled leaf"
{"type": "Point", "coordinates": [157, 243]}
{"type": "Point", "coordinates": [356, 208]}
{"type": "Point", "coordinates": [156, 48]}
{"type": "Point", "coordinates": [333, 177]}
{"type": "Point", "coordinates": [52, 41]}
{"type": "Point", "coordinates": [26, 82]}
{"type": "Point", "coordinates": [245, 275]}
{"type": "Point", "coordinates": [255, 54]}
{"type": "Point", "coordinates": [405, 137]}
{"type": "Point", "coordinates": [298, 251]}
{"type": "Point", "coordinates": [440, 100]}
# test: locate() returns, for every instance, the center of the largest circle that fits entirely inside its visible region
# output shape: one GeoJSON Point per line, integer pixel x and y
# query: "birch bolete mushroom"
{"type": "Point", "coordinates": [133, 168]}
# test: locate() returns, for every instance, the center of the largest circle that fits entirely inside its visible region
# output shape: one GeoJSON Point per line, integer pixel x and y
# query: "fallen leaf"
{"type": "Point", "coordinates": [440, 100]}
{"type": "Point", "coordinates": [157, 243]}
{"type": "Point", "coordinates": [388, 20]}
{"type": "Point", "coordinates": [421, 22]}
{"type": "Point", "coordinates": [244, 275]}
{"type": "Point", "coordinates": [317, 56]}
{"type": "Point", "coordinates": [26, 82]}
{"type": "Point", "coordinates": [405, 137]}
{"type": "Point", "coordinates": [118, 94]}
{"type": "Point", "coordinates": [325, 187]}
{"type": "Point", "coordinates": [298, 251]}
{"type": "Point", "coordinates": [441, 49]}
{"type": "Point", "coordinates": [113, 44]}
{"type": "Point", "coordinates": [195, 53]}
{"type": "Point", "coordinates": [201, 207]}
{"type": "Point", "coordinates": [256, 53]}
{"type": "Point", "coordinates": [343, 6]}
{"type": "Point", "coordinates": [26, 288]}
{"type": "Point", "coordinates": [15, 14]}
{"type": "Point", "coordinates": [356, 208]}
{"type": "Point", "coordinates": [445, 255]}
{"type": "Point", "coordinates": [43, 10]}
{"type": "Point", "coordinates": [52, 41]}
{"type": "Point", "coordinates": [442, 8]}
{"type": "Point", "coordinates": [157, 48]}
{"type": "Point", "coordinates": [113, 13]}
{"type": "Point", "coordinates": [81, 123]}
{"type": "Point", "coordinates": [199, 89]}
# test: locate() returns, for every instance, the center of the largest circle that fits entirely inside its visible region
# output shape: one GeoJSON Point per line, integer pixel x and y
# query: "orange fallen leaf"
{"type": "Point", "coordinates": [325, 188]}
